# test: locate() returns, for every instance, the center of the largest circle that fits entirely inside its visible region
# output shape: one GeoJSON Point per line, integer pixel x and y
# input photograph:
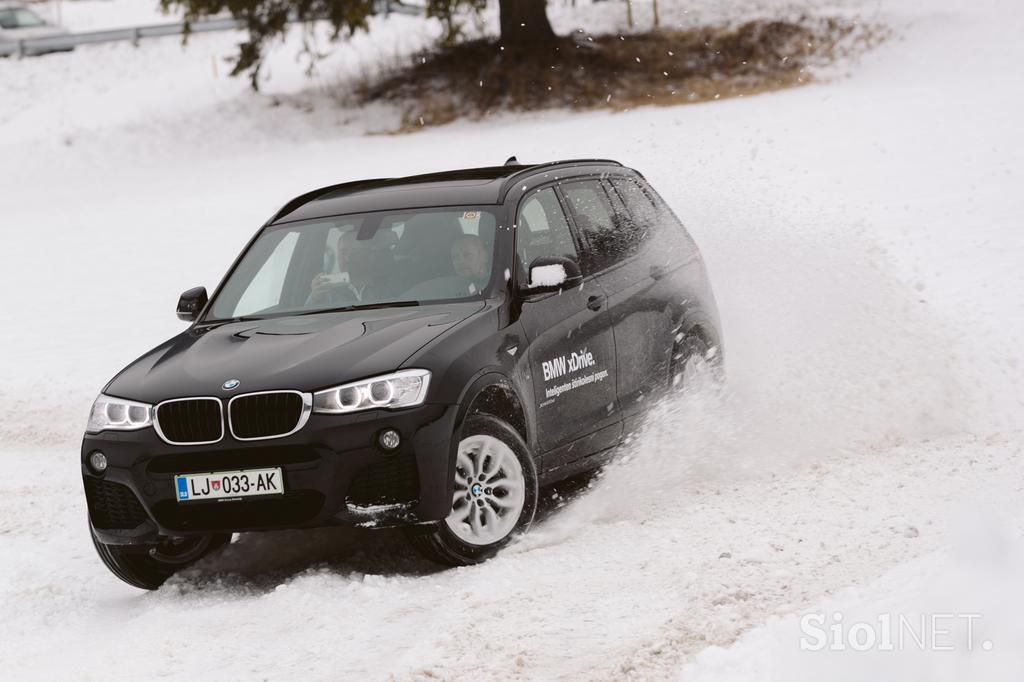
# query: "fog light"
{"type": "Point", "coordinates": [389, 439]}
{"type": "Point", "coordinates": [98, 462]}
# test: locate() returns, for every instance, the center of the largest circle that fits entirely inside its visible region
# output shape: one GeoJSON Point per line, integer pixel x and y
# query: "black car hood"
{"type": "Point", "coordinates": [305, 352]}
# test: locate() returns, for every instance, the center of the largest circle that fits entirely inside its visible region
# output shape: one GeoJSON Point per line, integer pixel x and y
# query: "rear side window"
{"type": "Point", "coordinates": [542, 230]}
{"type": "Point", "coordinates": [596, 220]}
{"type": "Point", "coordinates": [648, 220]}
{"type": "Point", "coordinates": [638, 203]}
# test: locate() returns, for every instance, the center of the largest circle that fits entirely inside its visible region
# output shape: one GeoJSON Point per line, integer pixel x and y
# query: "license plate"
{"type": "Point", "coordinates": [225, 485]}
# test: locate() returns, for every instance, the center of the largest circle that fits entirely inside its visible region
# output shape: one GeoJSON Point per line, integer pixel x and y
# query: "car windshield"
{"type": "Point", "coordinates": [19, 17]}
{"type": "Point", "coordinates": [364, 260]}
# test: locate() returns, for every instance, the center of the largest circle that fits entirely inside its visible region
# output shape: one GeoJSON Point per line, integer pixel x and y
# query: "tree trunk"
{"type": "Point", "coordinates": [524, 22]}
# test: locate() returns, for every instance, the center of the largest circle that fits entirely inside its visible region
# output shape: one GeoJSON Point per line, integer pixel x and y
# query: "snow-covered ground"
{"type": "Point", "coordinates": [864, 237]}
{"type": "Point", "coordinates": [945, 617]}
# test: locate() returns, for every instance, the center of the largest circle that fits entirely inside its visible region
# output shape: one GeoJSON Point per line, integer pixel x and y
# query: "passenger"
{"type": "Point", "coordinates": [470, 261]}
{"type": "Point", "coordinates": [367, 264]}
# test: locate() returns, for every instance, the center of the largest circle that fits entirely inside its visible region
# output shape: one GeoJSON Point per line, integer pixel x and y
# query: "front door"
{"type": "Point", "coordinates": [572, 346]}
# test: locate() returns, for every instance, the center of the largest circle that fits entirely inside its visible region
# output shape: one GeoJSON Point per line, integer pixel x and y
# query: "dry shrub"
{"type": "Point", "coordinates": [665, 67]}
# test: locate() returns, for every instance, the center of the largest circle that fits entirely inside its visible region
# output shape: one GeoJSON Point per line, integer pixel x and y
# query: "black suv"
{"type": "Point", "coordinates": [424, 352]}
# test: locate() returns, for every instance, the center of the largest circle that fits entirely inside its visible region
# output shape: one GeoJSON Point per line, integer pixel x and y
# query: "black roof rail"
{"type": "Point", "coordinates": [516, 171]}
{"type": "Point", "coordinates": [539, 167]}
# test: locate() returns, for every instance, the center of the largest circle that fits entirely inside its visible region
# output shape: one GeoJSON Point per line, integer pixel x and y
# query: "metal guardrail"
{"type": "Point", "coordinates": [34, 46]}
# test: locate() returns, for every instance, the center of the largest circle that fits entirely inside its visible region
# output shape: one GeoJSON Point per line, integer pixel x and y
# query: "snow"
{"type": "Point", "coordinates": [948, 616]}
{"type": "Point", "coordinates": [863, 237]}
{"type": "Point", "coordinates": [547, 275]}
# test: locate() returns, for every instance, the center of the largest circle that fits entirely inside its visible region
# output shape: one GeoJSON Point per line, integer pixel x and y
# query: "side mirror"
{"type": "Point", "coordinates": [191, 303]}
{"type": "Point", "coordinates": [552, 273]}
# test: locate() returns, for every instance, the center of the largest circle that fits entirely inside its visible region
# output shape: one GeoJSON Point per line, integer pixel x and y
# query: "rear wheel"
{"type": "Point", "coordinates": [149, 566]}
{"type": "Point", "coordinates": [695, 360]}
{"type": "Point", "coordinates": [495, 496]}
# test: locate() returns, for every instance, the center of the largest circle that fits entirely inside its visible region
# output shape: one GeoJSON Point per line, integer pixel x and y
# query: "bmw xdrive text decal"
{"type": "Point", "coordinates": [564, 365]}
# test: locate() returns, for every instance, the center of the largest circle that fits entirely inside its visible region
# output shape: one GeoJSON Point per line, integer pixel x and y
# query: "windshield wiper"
{"type": "Point", "coordinates": [341, 309]}
{"type": "Point", "coordinates": [231, 320]}
{"type": "Point", "coordinates": [362, 306]}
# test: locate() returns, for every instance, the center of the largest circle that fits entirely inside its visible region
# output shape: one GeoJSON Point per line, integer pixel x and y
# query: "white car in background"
{"type": "Point", "coordinates": [18, 22]}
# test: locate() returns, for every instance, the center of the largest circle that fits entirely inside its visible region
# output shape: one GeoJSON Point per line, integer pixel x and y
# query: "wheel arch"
{"type": "Point", "coordinates": [494, 394]}
{"type": "Point", "coordinates": [695, 323]}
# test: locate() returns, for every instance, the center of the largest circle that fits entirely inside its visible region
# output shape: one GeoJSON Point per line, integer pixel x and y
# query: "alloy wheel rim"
{"type": "Point", "coordinates": [490, 491]}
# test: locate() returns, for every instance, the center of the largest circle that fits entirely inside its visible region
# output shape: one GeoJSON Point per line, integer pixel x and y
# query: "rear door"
{"type": "Point", "coordinates": [628, 268]}
{"type": "Point", "coordinates": [572, 347]}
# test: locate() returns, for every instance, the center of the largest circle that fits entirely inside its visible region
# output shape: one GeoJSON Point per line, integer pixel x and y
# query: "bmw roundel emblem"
{"type": "Point", "coordinates": [230, 384]}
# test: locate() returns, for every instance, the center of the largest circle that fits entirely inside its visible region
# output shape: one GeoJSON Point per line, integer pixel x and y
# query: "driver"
{"type": "Point", "coordinates": [366, 262]}
{"type": "Point", "coordinates": [471, 262]}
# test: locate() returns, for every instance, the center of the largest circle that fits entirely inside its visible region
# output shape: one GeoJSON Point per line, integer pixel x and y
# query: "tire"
{"type": "Point", "coordinates": [484, 517]}
{"type": "Point", "coordinates": [149, 566]}
{"type": "Point", "coordinates": [696, 358]}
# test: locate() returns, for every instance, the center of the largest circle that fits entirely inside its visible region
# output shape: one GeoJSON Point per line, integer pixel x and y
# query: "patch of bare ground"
{"type": "Point", "coordinates": [664, 67]}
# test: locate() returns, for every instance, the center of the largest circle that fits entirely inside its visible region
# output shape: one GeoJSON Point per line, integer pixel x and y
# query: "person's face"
{"type": "Point", "coordinates": [469, 259]}
{"type": "Point", "coordinates": [355, 258]}
{"type": "Point", "coordinates": [344, 251]}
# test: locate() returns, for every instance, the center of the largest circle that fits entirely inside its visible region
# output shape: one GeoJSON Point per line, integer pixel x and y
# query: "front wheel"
{"type": "Point", "coordinates": [149, 566]}
{"type": "Point", "coordinates": [495, 496]}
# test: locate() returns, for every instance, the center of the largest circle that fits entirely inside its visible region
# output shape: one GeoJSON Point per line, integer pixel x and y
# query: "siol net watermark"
{"type": "Point", "coordinates": [892, 632]}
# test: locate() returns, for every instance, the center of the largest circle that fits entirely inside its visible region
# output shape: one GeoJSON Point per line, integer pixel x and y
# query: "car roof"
{"type": "Point", "coordinates": [468, 186]}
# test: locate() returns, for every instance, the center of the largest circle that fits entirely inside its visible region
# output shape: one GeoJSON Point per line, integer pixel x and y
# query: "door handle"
{"type": "Point", "coordinates": [595, 302]}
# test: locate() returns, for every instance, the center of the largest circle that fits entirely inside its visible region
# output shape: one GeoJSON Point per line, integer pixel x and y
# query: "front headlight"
{"type": "Point", "coordinates": [401, 389]}
{"type": "Point", "coordinates": [119, 415]}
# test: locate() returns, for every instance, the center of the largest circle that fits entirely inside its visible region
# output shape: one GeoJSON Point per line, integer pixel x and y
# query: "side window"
{"type": "Point", "coordinates": [597, 221]}
{"type": "Point", "coordinates": [638, 203]}
{"type": "Point", "coordinates": [656, 220]}
{"type": "Point", "coordinates": [542, 230]}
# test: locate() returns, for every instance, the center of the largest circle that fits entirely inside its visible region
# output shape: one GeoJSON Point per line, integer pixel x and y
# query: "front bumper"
{"type": "Point", "coordinates": [333, 472]}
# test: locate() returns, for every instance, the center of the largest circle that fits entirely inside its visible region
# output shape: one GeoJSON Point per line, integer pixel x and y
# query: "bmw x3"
{"type": "Point", "coordinates": [424, 352]}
